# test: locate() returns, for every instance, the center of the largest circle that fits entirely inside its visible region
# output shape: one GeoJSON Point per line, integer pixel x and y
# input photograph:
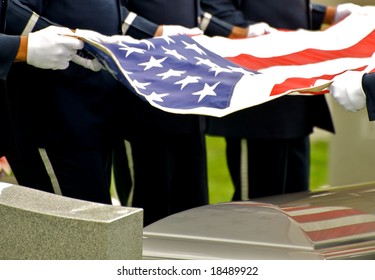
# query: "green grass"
{"type": "Point", "coordinates": [219, 182]}
{"type": "Point", "coordinates": [220, 185]}
{"type": "Point", "coordinates": [319, 164]}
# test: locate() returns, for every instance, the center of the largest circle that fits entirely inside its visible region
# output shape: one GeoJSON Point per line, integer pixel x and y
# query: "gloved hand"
{"type": "Point", "coordinates": [344, 10]}
{"type": "Point", "coordinates": [170, 30]}
{"type": "Point", "coordinates": [50, 49]}
{"type": "Point", "coordinates": [347, 90]}
{"type": "Point", "coordinates": [91, 64]}
{"type": "Point", "coordinates": [94, 64]}
{"type": "Point", "coordinates": [258, 29]}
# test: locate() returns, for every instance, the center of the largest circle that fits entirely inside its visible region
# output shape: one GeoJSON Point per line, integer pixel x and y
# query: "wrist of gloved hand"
{"type": "Point", "coordinates": [50, 49]}
{"type": "Point", "coordinates": [259, 29]}
{"type": "Point", "coordinates": [344, 10]}
{"type": "Point", "coordinates": [347, 90]}
{"type": "Point", "coordinates": [170, 30]}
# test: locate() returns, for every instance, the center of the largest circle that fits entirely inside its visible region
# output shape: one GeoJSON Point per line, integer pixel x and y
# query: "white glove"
{"type": "Point", "coordinates": [258, 29]}
{"type": "Point", "coordinates": [94, 64]}
{"type": "Point", "coordinates": [50, 49]}
{"type": "Point", "coordinates": [170, 30]}
{"type": "Point", "coordinates": [344, 10]}
{"type": "Point", "coordinates": [347, 90]}
{"type": "Point", "coordinates": [91, 64]}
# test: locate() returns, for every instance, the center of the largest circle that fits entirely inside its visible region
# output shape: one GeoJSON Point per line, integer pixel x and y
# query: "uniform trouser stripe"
{"type": "Point", "coordinates": [30, 24]}
{"type": "Point", "coordinates": [129, 155]}
{"type": "Point", "coordinates": [244, 170]}
{"type": "Point", "coordinates": [50, 171]}
{"type": "Point", "coordinates": [128, 22]}
{"type": "Point", "coordinates": [205, 21]}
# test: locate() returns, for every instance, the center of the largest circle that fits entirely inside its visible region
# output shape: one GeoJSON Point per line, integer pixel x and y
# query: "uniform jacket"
{"type": "Point", "coordinates": [287, 117]}
{"type": "Point", "coordinates": [72, 107]}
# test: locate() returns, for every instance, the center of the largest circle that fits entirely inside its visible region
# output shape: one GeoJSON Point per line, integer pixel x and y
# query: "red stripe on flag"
{"type": "Point", "coordinates": [340, 232]}
{"type": "Point", "coordinates": [362, 49]}
{"type": "Point", "coordinates": [294, 83]}
{"type": "Point", "coordinates": [334, 214]}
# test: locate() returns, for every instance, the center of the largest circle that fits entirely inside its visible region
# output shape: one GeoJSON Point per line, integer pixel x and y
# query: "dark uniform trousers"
{"type": "Point", "coordinates": [368, 84]}
{"type": "Point", "coordinates": [268, 148]}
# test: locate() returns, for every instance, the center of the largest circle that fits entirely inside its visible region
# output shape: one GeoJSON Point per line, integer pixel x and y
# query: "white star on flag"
{"type": "Point", "coordinates": [188, 80]}
{"type": "Point", "coordinates": [171, 73]}
{"type": "Point", "coordinates": [129, 51]}
{"type": "Point", "coordinates": [207, 90]}
{"type": "Point", "coordinates": [153, 63]}
{"type": "Point", "coordinates": [194, 47]}
{"type": "Point", "coordinates": [140, 85]}
{"type": "Point", "coordinates": [174, 53]}
{"type": "Point", "coordinates": [157, 97]}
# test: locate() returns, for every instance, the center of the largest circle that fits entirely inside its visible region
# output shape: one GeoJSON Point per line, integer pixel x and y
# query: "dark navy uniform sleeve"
{"type": "Point", "coordinates": [368, 85]}
{"type": "Point", "coordinates": [318, 14]}
{"type": "Point", "coordinates": [3, 10]}
{"type": "Point", "coordinates": [23, 17]}
{"type": "Point", "coordinates": [218, 18]}
{"type": "Point", "coordinates": [225, 10]}
{"type": "Point", "coordinates": [212, 26]}
{"type": "Point", "coordinates": [9, 47]}
{"type": "Point", "coordinates": [137, 26]}
{"type": "Point", "coordinates": [244, 13]}
{"type": "Point", "coordinates": [22, 20]}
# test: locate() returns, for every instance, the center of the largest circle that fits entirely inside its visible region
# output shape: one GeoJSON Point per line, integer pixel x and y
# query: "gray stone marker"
{"type": "Point", "coordinates": [42, 226]}
{"type": "Point", "coordinates": [351, 152]}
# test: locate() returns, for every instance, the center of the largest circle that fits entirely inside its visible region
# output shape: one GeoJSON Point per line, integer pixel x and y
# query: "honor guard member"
{"type": "Point", "coordinates": [64, 130]}
{"type": "Point", "coordinates": [267, 146]}
{"type": "Point", "coordinates": [9, 48]}
{"type": "Point", "coordinates": [46, 49]}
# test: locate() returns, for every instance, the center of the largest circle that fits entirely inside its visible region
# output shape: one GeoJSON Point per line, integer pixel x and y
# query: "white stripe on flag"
{"type": "Point", "coordinates": [339, 222]}
{"type": "Point", "coordinates": [293, 211]}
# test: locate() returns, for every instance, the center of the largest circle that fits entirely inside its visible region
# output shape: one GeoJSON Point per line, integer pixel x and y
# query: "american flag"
{"type": "Point", "coordinates": [325, 226]}
{"type": "Point", "coordinates": [216, 76]}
